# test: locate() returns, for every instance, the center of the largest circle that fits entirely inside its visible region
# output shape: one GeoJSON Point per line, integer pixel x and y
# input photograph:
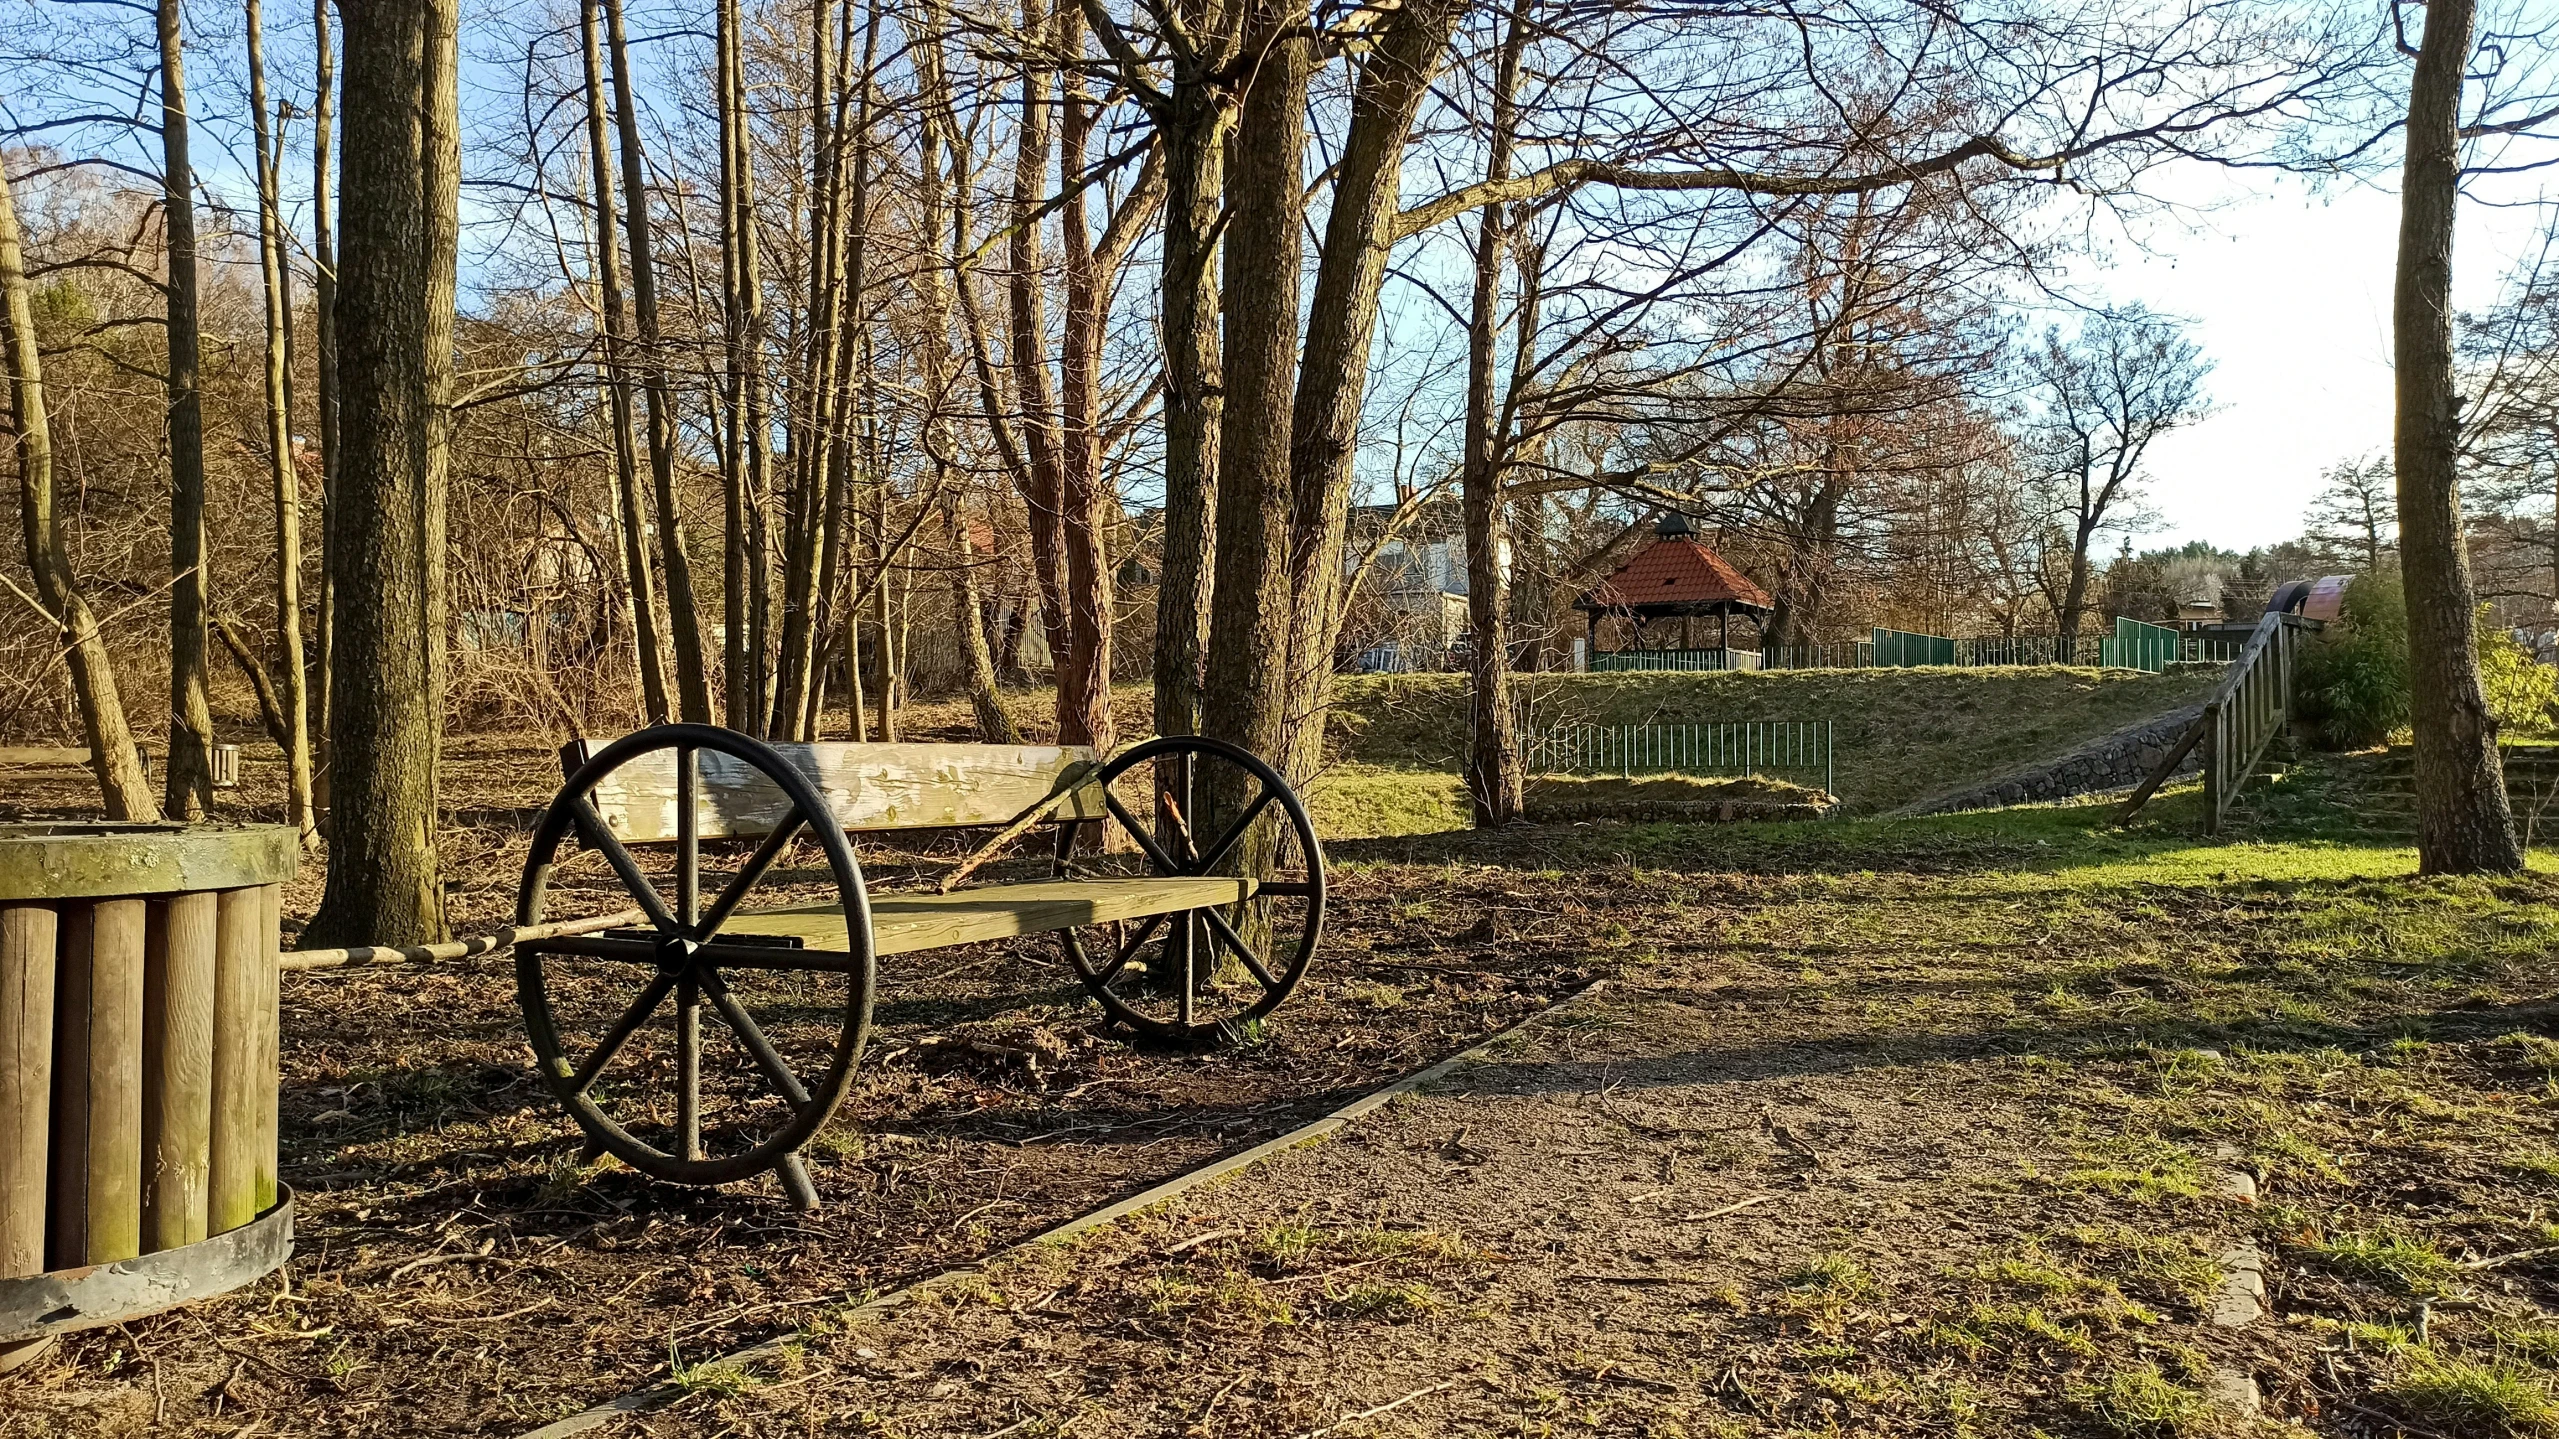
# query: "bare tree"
{"type": "Point", "coordinates": [2108, 392]}
{"type": "Point", "coordinates": [122, 784]}
{"type": "Point", "coordinates": [293, 713]}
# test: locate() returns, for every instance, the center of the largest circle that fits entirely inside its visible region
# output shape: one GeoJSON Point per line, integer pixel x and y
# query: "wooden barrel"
{"type": "Point", "coordinates": [137, 1059]}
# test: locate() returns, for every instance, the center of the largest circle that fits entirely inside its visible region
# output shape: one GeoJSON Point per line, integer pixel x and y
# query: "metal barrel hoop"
{"type": "Point", "coordinates": [688, 960]}
{"type": "Point", "coordinates": [1187, 938]}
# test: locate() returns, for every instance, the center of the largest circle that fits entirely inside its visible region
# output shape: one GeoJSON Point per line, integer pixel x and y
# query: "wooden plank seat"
{"type": "Point", "coordinates": [908, 923]}
{"type": "Point", "coordinates": [1191, 923]}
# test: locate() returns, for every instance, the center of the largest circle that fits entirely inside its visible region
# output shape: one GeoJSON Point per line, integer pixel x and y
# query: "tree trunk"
{"type": "Point", "coordinates": [692, 686]}
{"type": "Point", "coordinates": [737, 222]}
{"type": "Point", "coordinates": [986, 698]}
{"type": "Point", "coordinates": [2073, 610]}
{"type": "Point", "coordinates": [123, 787]}
{"type": "Point", "coordinates": [1028, 313]}
{"type": "Point", "coordinates": [324, 303]}
{"type": "Point", "coordinates": [1085, 503]}
{"type": "Point", "coordinates": [1192, 128]}
{"type": "Point", "coordinates": [617, 384]}
{"type": "Point", "coordinates": [853, 365]}
{"type": "Point", "coordinates": [2463, 823]}
{"type": "Point", "coordinates": [1245, 701]}
{"type": "Point", "coordinates": [1332, 378]}
{"type": "Point", "coordinates": [402, 173]}
{"type": "Point", "coordinates": [190, 778]}
{"type": "Point", "coordinates": [1494, 778]}
{"type": "Point", "coordinates": [292, 694]}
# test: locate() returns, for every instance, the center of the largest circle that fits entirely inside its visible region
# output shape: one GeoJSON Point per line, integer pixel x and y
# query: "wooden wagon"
{"type": "Point", "coordinates": [1184, 882]}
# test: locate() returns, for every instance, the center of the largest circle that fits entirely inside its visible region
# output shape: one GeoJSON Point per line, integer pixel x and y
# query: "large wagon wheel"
{"type": "Point", "coordinates": [1194, 806]}
{"type": "Point", "coordinates": [652, 1084]}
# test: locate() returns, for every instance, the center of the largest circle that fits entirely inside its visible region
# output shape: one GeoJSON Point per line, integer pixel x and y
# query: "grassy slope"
{"type": "Point", "coordinates": [1900, 734]}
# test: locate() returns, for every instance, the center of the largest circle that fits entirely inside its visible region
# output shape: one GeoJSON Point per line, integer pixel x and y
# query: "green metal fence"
{"type": "Point", "coordinates": [2137, 646]}
{"type": "Point", "coordinates": [1744, 747]}
{"type": "Point", "coordinates": [1895, 648]}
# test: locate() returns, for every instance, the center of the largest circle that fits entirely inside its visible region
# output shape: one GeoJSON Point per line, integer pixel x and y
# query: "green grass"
{"type": "Point", "coordinates": [2138, 1402]}
{"type": "Point", "coordinates": [2466, 1396]}
{"type": "Point", "coordinates": [2402, 1265]}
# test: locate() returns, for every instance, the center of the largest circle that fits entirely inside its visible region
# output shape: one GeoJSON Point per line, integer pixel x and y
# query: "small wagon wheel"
{"type": "Point", "coordinates": [1191, 806]}
{"type": "Point", "coordinates": [658, 1088]}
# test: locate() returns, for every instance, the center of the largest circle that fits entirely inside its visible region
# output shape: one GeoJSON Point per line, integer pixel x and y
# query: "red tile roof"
{"type": "Point", "coordinates": [1674, 571]}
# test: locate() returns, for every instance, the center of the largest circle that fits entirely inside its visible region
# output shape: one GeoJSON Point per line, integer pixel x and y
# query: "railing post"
{"type": "Point", "coordinates": [2212, 768]}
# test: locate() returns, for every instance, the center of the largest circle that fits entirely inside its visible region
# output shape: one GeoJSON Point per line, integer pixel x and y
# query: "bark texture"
{"type": "Point", "coordinates": [190, 773]}
{"type": "Point", "coordinates": [395, 314]}
{"type": "Point", "coordinates": [2464, 825]}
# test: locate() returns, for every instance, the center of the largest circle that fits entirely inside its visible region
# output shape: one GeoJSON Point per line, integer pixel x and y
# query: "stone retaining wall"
{"type": "Point", "coordinates": [2118, 761]}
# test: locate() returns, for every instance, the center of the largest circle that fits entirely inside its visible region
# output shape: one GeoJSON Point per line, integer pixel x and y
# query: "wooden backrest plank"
{"type": "Point", "coordinates": [866, 786]}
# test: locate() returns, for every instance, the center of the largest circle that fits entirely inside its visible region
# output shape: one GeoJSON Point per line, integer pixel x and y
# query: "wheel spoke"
{"type": "Point", "coordinates": [756, 864]}
{"type": "Point", "coordinates": [1227, 936]}
{"type": "Point", "coordinates": [1138, 832]}
{"type": "Point", "coordinates": [1190, 971]}
{"type": "Point", "coordinates": [688, 835]}
{"type": "Point", "coordinates": [1234, 832]}
{"type": "Point", "coordinates": [622, 1030]}
{"type": "Point", "coordinates": [591, 829]}
{"type": "Point", "coordinates": [749, 1033]}
{"type": "Point", "coordinates": [1129, 951]}
{"type": "Point", "coordinates": [688, 1067]}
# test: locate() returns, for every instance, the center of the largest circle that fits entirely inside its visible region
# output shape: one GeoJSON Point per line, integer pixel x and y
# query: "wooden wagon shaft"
{"type": "Point", "coordinates": [303, 959]}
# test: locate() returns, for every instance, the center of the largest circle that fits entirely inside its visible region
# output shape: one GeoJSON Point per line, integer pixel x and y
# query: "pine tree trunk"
{"type": "Point", "coordinates": [402, 174]}
{"type": "Point", "coordinates": [692, 684]}
{"type": "Point", "coordinates": [292, 695]}
{"type": "Point", "coordinates": [633, 516]}
{"type": "Point", "coordinates": [189, 781]}
{"type": "Point", "coordinates": [123, 787]}
{"type": "Point", "coordinates": [2464, 825]}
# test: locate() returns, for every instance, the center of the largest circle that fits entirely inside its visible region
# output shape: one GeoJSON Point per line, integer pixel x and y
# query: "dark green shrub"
{"type": "Point", "coordinates": [2351, 690]}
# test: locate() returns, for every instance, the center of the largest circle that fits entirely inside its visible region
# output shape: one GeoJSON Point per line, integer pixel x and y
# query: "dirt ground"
{"type": "Point", "coordinates": [1928, 1128]}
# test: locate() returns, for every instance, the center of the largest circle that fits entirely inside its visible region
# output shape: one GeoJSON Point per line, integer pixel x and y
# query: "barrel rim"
{"type": "Point", "coordinates": [62, 1301]}
{"type": "Point", "coordinates": [43, 860]}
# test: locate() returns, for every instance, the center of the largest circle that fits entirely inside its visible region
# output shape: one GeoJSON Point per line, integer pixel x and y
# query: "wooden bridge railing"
{"type": "Point", "coordinates": [2242, 715]}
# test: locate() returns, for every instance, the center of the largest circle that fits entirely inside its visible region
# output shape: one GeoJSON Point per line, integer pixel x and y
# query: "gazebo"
{"type": "Point", "coordinates": [1676, 577]}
